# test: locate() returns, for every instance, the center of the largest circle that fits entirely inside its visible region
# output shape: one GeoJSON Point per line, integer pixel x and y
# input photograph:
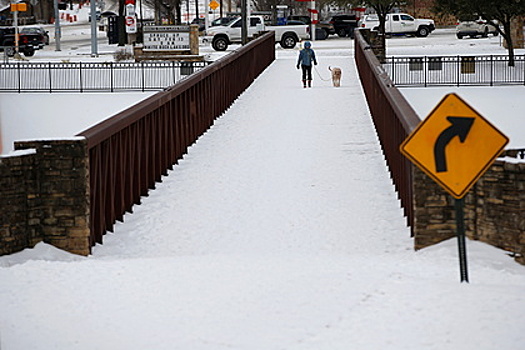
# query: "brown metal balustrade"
{"type": "Point", "coordinates": [393, 117]}
{"type": "Point", "coordinates": [129, 152]}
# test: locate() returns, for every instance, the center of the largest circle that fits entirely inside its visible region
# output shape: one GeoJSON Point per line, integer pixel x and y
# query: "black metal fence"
{"type": "Point", "coordinates": [425, 71]}
{"type": "Point", "coordinates": [93, 77]}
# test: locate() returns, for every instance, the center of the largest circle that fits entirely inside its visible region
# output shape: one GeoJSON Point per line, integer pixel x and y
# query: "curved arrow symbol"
{"type": "Point", "coordinates": [460, 127]}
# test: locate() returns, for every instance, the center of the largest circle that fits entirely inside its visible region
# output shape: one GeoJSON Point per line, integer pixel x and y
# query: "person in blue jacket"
{"type": "Point", "coordinates": [305, 61]}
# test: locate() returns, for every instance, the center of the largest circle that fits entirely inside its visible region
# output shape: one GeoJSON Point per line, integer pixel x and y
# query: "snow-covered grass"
{"type": "Point", "coordinates": [503, 106]}
{"type": "Point", "coordinates": [279, 229]}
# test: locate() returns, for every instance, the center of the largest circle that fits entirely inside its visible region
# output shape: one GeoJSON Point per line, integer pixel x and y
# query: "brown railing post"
{"type": "Point", "coordinates": [393, 118]}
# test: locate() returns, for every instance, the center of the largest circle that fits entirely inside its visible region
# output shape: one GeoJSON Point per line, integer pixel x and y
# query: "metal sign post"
{"type": "Point", "coordinates": [15, 20]}
{"type": "Point", "coordinates": [93, 14]}
{"type": "Point", "coordinates": [313, 20]}
{"type": "Point", "coordinates": [462, 247]}
{"type": "Point", "coordinates": [15, 8]}
{"type": "Point", "coordinates": [58, 35]}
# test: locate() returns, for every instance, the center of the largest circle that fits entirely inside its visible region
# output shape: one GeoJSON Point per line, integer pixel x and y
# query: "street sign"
{"type": "Point", "coordinates": [214, 4]}
{"type": "Point", "coordinates": [20, 7]}
{"type": "Point", "coordinates": [131, 24]}
{"type": "Point", "coordinates": [454, 145]}
{"type": "Point", "coordinates": [130, 21]}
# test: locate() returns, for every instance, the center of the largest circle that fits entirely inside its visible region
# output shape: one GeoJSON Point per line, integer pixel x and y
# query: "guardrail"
{"type": "Point", "coordinates": [93, 77]}
{"type": "Point", "coordinates": [425, 71]}
{"type": "Point", "coordinates": [131, 151]}
{"type": "Point", "coordinates": [394, 119]}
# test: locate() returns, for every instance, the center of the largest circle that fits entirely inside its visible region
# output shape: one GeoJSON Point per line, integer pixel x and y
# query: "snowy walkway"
{"type": "Point", "coordinates": [279, 230]}
{"type": "Point", "coordinates": [286, 169]}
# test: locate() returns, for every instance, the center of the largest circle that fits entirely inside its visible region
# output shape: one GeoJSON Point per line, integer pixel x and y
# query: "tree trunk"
{"type": "Point", "coordinates": [381, 53]}
{"type": "Point", "coordinates": [178, 14]}
{"type": "Point", "coordinates": [121, 24]}
{"type": "Point", "coordinates": [516, 27]}
{"type": "Point", "coordinates": [508, 42]}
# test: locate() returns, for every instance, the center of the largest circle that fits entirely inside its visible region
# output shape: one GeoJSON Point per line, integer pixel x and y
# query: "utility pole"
{"type": "Point", "coordinates": [15, 22]}
{"type": "Point", "coordinates": [244, 22]}
{"type": "Point", "coordinates": [93, 15]}
{"type": "Point", "coordinates": [58, 34]}
{"type": "Point", "coordinates": [313, 21]}
{"type": "Point", "coordinates": [197, 10]}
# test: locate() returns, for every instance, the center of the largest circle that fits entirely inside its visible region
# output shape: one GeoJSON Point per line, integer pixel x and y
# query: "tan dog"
{"type": "Point", "coordinates": [336, 76]}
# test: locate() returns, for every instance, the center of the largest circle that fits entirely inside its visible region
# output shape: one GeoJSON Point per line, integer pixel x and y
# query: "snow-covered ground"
{"type": "Point", "coordinates": [57, 115]}
{"type": "Point", "coordinates": [279, 229]}
{"type": "Point", "coordinates": [503, 105]}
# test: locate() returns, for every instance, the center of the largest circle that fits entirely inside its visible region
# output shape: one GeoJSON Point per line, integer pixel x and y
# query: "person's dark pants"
{"type": "Point", "coordinates": [307, 72]}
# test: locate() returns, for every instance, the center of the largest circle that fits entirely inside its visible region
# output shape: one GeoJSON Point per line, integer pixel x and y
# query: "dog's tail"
{"type": "Point", "coordinates": [330, 68]}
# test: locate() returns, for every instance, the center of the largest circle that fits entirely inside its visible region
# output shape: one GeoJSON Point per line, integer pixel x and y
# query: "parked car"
{"type": "Point", "coordinates": [344, 25]}
{"type": "Point", "coordinates": [473, 27]}
{"type": "Point", "coordinates": [400, 24]}
{"type": "Point", "coordinates": [320, 33]}
{"type": "Point", "coordinates": [222, 36]}
{"type": "Point", "coordinates": [200, 22]}
{"type": "Point", "coordinates": [326, 26]}
{"type": "Point", "coordinates": [27, 43]}
{"type": "Point", "coordinates": [37, 30]}
{"type": "Point", "coordinates": [368, 21]}
{"type": "Point", "coordinates": [222, 21]}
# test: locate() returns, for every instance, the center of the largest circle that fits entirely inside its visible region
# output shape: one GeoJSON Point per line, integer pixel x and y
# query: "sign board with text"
{"type": "Point", "coordinates": [166, 38]}
{"type": "Point", "coordinates": [454, 145]}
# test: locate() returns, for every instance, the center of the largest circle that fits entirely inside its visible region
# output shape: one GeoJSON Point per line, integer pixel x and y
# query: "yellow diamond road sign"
{"type": "Point", "coordinates": [214, 4]}
{"type": "Point", "coordinates": [454, 145]}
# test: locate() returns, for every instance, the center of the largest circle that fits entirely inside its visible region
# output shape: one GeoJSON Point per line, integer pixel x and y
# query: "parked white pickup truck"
{"type": "Point", "coordinates": [399, 23]}
{"type": "Point", "coordinates": [287, 35]}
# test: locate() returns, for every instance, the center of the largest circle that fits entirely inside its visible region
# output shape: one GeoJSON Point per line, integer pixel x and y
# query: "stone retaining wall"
{"type": "Point", "coordinates": [44, 193]}
{"type": "Point", "coordinates": [494, 210]}
{"type": "Point", "coordinates": [17, 193]}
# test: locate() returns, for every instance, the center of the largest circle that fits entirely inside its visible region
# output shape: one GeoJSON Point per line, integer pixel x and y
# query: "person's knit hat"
{"type": "Point", "coordinates": [307, 44]}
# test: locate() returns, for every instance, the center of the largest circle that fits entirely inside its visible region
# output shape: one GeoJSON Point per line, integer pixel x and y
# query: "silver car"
{"type": "Point", "coordinates": [473, 27]}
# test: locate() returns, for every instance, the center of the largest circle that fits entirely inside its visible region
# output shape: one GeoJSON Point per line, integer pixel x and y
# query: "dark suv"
{"type": "Point", "coordinates": [344, 25]}
{"type": "Point", "coordinates": [27, 42]}
{"type": "Point", "coordinates": [37, 30]}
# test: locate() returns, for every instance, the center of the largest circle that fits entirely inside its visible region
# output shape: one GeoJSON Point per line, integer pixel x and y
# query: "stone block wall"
{"type": "Point", "coordinates": [500, 208]}
{"type": "Point", "coordinates": [18, 181]}
{"type": "Point", "coordinates": [434, 216]}
{"type": "Point", "coordinates": [494, 209]}
{"type": "Point", "coordinates": [46, 192]}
